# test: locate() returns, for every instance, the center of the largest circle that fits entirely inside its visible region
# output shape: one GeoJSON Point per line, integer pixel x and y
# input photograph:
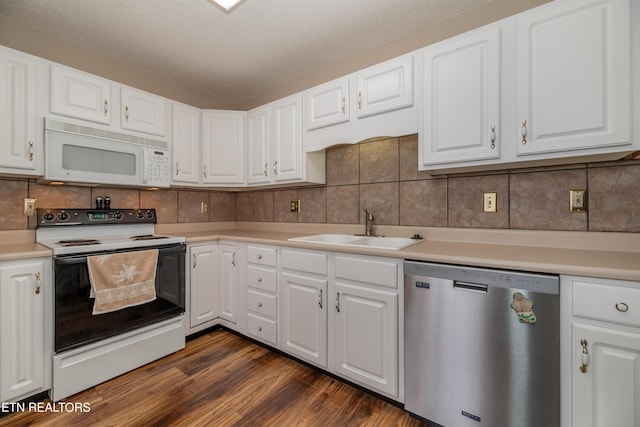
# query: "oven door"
{"type": "Point", "coordinates": [75, 325]}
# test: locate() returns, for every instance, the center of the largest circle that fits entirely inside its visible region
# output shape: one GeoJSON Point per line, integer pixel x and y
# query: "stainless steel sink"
{"type": "Point", "coordinates": [374, 242]}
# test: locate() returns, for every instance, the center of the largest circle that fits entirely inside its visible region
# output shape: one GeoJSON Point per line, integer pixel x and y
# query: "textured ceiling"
{"type": "Point", "coordinates": [259, 47]}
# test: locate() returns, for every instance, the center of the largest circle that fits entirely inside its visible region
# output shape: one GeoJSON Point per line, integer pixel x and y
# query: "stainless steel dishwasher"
{"type": "Point", "coordinates": [482, 347]}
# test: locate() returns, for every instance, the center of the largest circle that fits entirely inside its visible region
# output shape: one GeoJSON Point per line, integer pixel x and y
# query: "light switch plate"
{"type": "Point", "coordinates": [30, 206]}
{"type": "Point", "coordinates": [490, 202]}
{"type": "Point", "coordinates": [578, 200]}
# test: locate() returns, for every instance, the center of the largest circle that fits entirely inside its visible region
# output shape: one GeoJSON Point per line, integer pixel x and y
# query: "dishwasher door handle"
{"type": "Point", "coordinates": [471, 287]}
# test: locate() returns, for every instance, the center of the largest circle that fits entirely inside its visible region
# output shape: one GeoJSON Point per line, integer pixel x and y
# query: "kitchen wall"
{"type": "Point", "coordinates": [382, 176]}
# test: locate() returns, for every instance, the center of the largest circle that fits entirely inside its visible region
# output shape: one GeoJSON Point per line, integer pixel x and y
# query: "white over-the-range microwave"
{"type": "Point", "coordinates": [81, 154]}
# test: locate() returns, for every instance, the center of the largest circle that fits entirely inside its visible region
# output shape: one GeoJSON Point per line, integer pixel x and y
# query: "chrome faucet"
{"type": "Point", "coordinates": [368, 218]}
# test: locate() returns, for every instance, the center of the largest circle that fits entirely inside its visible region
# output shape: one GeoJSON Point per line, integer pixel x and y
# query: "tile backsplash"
{"type": "Point", "coordinates": [382, 176]}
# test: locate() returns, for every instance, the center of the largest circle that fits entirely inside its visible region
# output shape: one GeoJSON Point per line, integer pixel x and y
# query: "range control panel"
{"type": "Point", "coordinates": [57, 217]}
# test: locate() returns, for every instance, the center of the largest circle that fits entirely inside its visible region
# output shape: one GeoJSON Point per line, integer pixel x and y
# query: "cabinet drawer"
{"type": "Point", "coordinates": [380, 272]}
{"type": "Point", "coordinates": [611, 303]}
{"type": "Point", "coordinates": [262, 304]}
{"type": "Point", "coordinates": [262, 328]}
{"type": "Point", "coordinates": [262, 256]}
{"type": "Point", "coordinates": [262, 278]}
{"type": "Point", "coordinates": [308, 262]}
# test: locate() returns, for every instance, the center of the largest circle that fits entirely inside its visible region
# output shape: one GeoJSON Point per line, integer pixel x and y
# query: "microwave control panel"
{"type": "Point", "coordinates": [157, 168]}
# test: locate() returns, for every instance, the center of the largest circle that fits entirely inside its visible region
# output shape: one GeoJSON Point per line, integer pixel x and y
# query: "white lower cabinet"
{"type": "Point", "coordinates": [262, 293]}
{"type": "Point", "coordinates": [228, 295]}
{"type": "Point", "coordinates": [203, 287]}
{"type": "Point", "coordinates": [304, 304]}
{"type": "Point", "coordinates": [342, 312]}
{"type": "Point", "coordinates": [604, 363]}
{"type": "Point", "coordinates": [25, 328]}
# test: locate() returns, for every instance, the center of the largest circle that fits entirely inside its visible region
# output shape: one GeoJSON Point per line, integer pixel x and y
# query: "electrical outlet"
{"type": "Point", "coordinates": [295, 206]}
{"type": "Point", "coordinates": [490, 202]}
{"type": "Point", "coordinates": [204, 208]}
{"type": "Point", "coordinates": [578, 200]}
{"type": "Point", "coordinates": [30, 206]}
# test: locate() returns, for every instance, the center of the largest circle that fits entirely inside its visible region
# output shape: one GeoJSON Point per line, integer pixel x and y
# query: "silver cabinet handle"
{"type": "Point", "coordinates": [38, 283]}
{"type": "Point", "coordinates": [233, 259]}
{"type": "Point", "coordinates": [266, 166]}
{"type": "Point", "coordinates": [585, 356]}
{"type": "Point", "coordinates": [493, 137]}
{"type": "Point", "coordinates": [31, 151]}
{"type": "Point", "coordinates": [259, 256]}
{"type": "Point", "coordinates": [126, 114]}
{"type": "Point", "coordinates": [177, 168]}
{"type": "Point", "coordinates": [195, 260]}
{"type": "Point", "coordinates": [344, 103]}
{"type": "Point", "coordinates": [259, 279]}
{"type": "Point", "coordinates": [338, 302]}
{"type": "Point", "coordinates": [106, 107]}
{"type": "Point", "coordinates": [359, 100]}
{"type": "Point", "coordinates": [259, 304]}
{"type": "Point", "coordinates": [204, 170]}
{"type": "Point", "coordinates": [622, 307]}
{"type": "Point", "coordinates": [320, 298]}
{"type": "Point", "coordinates": [259, 328]}
{"type": "Point", "coordinates": [275, 167]}
{"type": "Point", "coordinates": [524, 132]}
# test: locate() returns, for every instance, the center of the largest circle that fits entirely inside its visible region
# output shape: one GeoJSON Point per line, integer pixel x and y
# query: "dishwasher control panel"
{"type": "Point", "coordinates": [536, 282]}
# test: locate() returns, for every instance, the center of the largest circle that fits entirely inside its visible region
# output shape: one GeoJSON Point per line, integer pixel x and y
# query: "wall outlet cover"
{"type": "Point", "coordinates": [29, 208]}
{"type": "Point", "coordinates": [578, 200]}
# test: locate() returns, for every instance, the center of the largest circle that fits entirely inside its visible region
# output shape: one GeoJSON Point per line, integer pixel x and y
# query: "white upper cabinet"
{"type": "Point", "coordinates": [258, 143]}
{"type": "Point", "coordinates": [376, 101]}
{"type": "Point", "coordinates": [573, 76]}
{"type": "Point", "coordinates": [186, 144]}
{"type": "Point", "coordinates": [143, 112]}
{"type": "Point", "coordinates": [80, 95]}
{"type": "Point", "coordinates": [327, 104]}
{"type": "Point", "coordinates": [461, 113]}
{"type": "Point", "coordinates": [20, 139]}
{"type": "Point", "coordinates": [286, 139]}
{"type": "Point", "coordinates": [223, 147]}
{"type": "Point", "coordinates": [555, 81]}
{"type": "Point", "coordinates": [385, 87]}
{"type": "Point", "coordinates": [275, 147]}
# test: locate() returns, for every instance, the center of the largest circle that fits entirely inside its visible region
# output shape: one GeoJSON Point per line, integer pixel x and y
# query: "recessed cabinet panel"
{"type": "Point", "coordinates": [79, 95]}
{"type": "Point", "coordinates": [328, 103]}
{"type": "Point", "coordinates": [20, 146]}
{"type": "Point", "coordinates": [143, 112]}
{"type": "Point", "coordinates": [461, 114]}
{"type": "Point", "coordinates": [203, 284]}
{"type": "Point", "coordinates": [573, 77]}
{"type": "Point", "coordinates": [385, 87]}
{"type": "Point", "coordinates": [223, 147]}
{"type": "Point", "coordinates": [258, 141]}
{"type": "Point", "coordinates": [186, 143]}
{"type": "Point", "coordinates": [286, 142]}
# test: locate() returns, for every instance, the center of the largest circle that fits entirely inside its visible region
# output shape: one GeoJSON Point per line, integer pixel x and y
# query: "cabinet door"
{"type": "Point", "coordinates": [328, 103]}
{"type": "Point", "coordinates": [366, 345]}
{"type": "Point", "coordinates": [22, 355]}
{"type": "Point", "coordinates": [304, 317]}
{"type": "Point", "coordinates": [461, 114]}
{"type": "Point", "coordinates": [223, 147]}
{"type": "Point", "coordinates": [80, 95]}
{"type": "Point", "coordinates": [227, 283]}
{"type": "Point", "coordinates": [258, 141]}
{"type": "Point", "coordinates": [18, 113]}
{"type": "Point", "coordinates": [186, 143]}
{"type": "Point", "coordinates": [573, 76]}
{"type": "Point", "coordinates": [385, 87]}
{"type": "Point", "coordinates": [143, 112]}
{"type": "Point", "coordinates": [286, 142]}
{"type": "Point", "coordinates": [607, 394]}
{"type": "Point", "coordinates": [203, 294]}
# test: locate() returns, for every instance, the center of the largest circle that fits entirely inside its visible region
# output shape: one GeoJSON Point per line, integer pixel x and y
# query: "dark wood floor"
{"type": "Point", "coordinates": [221, 379]}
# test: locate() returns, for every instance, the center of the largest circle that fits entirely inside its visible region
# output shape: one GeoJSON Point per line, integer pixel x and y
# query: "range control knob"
{"type": "Point", "coordinates": [48, 216]}
{"type": "Point", "coordinates": [150, 214]}
{"type": "Point", "coordinates": [139, 215]}
{"type": "Point", "coordinates": [118, 215]}
{"type": "Point", "coordinates": [63, 216]}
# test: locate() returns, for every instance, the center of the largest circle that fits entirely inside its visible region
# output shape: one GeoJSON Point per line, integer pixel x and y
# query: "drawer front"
{"type": "Point", "coordinates": [262, 304]}
{"type": "Point", "coordinates": [308, 262]}
{"type": "Point", "coordinates": [611, 303]}
{"type": "Point", "coordinates": [262, 255]}
{"type": "Point", "coordinates": [382, 272]}
{"type": "Point", "coordinates": [261, 328]}
{"type": "Point", "coordinates": [262, 278]}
